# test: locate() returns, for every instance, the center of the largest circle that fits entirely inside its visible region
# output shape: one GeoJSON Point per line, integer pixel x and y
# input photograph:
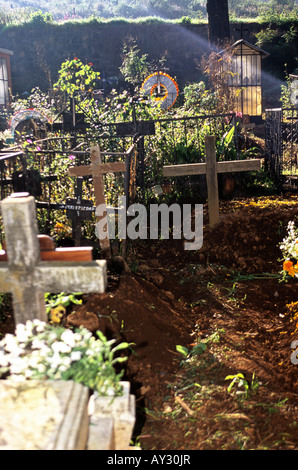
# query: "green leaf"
{"type": "Point", "coordinates": [198, 349]}
{"type": "Point", "coordinates": [229, 136]}
{"type": "Point", "coordinates": [182, 350]}
{"type": "Point", "coordinates": [121, 346]}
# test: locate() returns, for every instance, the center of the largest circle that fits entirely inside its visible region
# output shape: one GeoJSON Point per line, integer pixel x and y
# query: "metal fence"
{"type": "Point", "coordinates": [281, 149]}
{"type": "Point", "coordinates": [41, 168]}
{"type": "Point", "coordinates": [170, 141]}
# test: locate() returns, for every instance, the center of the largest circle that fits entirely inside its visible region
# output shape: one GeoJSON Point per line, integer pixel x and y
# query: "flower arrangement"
{"type": "Point", "coordinates": [289, 248]}
{"type": "Point", "coordinates": [40, 351]}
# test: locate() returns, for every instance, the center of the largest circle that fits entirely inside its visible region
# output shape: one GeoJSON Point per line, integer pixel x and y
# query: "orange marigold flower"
{"type": "Point", "coordinates": [287, 265]}
{"type": "Point", "coordinates": [291, 271]}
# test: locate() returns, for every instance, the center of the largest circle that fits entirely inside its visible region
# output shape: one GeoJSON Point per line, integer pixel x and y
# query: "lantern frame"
{"type": "Point", "coordinates": [5, 77]}
{"type": "Point", "coordinates": [245, 76]}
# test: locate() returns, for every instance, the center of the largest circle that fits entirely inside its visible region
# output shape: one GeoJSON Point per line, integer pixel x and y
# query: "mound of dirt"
{"type": "Point", "coordinates": [146, 316]}
{"type": "Point", "coordinates": [248, 239]}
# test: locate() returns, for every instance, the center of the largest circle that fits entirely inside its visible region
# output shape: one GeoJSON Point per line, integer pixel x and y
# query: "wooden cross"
{"type": "Point", "coordinates": [211, 168]}
{"type": "Point", "coordinates": [98, 169]}
{"type": "Point", "coordinates": [31, 266]}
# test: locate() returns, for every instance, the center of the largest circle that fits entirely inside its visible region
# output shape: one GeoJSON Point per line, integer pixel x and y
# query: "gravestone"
{"type": "Point", "coordinates": [61, 415]}
{"type": "Point", "coordinates": [211, 169]}
{"type": "Point", "coordinates": [98, 169]}
{"type": "Point", "coordinates": [27, 274]}
{"type": "Point", "coordinates": [44, 415]}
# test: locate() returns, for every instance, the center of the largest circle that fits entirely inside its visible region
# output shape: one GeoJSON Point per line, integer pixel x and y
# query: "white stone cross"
{"type": "Point", "coordinates": [27, 273]}
{"type": "Point", "coordinates": [211, 168]}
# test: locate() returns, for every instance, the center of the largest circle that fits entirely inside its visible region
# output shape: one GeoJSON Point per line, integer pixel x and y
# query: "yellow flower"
{"type": "Point", "coordinates": [57, 314]}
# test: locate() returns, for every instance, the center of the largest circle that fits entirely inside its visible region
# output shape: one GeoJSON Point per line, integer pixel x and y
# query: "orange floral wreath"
{"type": "Point", "coordinates": [168, 85]}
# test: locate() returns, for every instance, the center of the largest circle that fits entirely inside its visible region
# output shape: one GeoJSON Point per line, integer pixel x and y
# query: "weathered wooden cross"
{"type": "Point", "coordinates": [30, 266]}
{"type": "Point", "coordinates": [98, 169]}
{"type": "Point", "coordinates": [211, 168]}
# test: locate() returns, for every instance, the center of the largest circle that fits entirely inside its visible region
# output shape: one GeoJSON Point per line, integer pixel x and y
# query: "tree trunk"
{"type": "Point", "coordinates": [218, 20]}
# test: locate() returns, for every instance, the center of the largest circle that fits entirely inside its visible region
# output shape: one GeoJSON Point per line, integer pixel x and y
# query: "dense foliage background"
{"type": "Point", "coordinates": [195, 10]}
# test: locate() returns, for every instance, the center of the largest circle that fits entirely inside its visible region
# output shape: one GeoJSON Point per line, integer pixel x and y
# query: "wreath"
{"type": "Point", "coordinates": [161, 88]}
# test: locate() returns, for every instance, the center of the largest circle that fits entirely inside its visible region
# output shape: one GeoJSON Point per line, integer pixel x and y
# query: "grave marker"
{"type": "Point", "coordinates": [77, 211]}
{"type": "Point", "coordinates": [98, 169]}
{"type": "Point", "coordinates": [32, 267]}
{"type": "Point", "coordinates": [211, 169]}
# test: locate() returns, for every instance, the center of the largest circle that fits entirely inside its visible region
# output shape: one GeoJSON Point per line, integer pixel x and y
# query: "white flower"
{"type": "Point", "coordinates": [86, 334]}
{"type": "Point", "coordinates": [54, 361]}
{"type": "Point", "coordinates": [37, 344]}
{"type": "Point", "coordinates": [52, 336]}
{"type": "Point", "coordinates": [58, 347]}
{"type": "Point", "coordinates": [45, 351]}
{"type": "Point", "coordinates": [17, 365]}
{"type": "Point", "coordinates": [66, 362]}
{"type": "Point", "coordinates": [29, 326]}
{"type": "Point", "coordinates": [68, 338]}
{"type": "Point", "coordinates": [40, 326]}
{"type": "Point", "coordinates": [75, 356]}
{"type": "Point", "coordinates": [10, 342]}
{"type": "Point", "coordinates": [11, 345]}
{"type": "Point", "coordinates": [28, 373]}
{"type": "Point", "coordinates": [41, 368]}
{"type": "Point", "coordinates": [17, 378]}
{"type": "Point", "coordinates": [77, 337]}
{"type": "Point", "coordinates": [3, 360]}
{"type": "Point", "coordinates": [21, 333]}
{"type": "Point", "coordinates": [33, 361]}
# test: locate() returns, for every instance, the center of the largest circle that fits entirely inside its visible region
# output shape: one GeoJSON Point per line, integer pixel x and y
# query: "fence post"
{"type": "Point", "coordinates": [211, 178]}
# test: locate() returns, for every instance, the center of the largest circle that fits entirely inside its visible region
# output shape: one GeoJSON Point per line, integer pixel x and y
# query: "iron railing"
{"type": "Point", "coordinates": [281, 145]}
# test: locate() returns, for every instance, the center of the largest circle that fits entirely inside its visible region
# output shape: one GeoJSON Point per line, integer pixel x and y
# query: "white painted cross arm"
{"type": "Point", "coordinates": [27, 275]}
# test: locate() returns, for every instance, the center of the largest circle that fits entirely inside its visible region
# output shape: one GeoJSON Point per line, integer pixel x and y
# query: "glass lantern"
{"type": "Point", "coordinates": [245, 77]}
{"type": "Point", "coordinates": [5, 77]}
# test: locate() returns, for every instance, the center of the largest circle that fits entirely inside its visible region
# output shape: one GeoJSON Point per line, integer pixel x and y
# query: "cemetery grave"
{"type": "Point", "coordinates": [176, 294]}
{"type": "Point", "coordinates": [194, 318]}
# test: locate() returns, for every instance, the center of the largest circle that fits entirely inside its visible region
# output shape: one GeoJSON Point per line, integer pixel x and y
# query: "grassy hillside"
{"type": "Point", "coordinates": [19, 11]}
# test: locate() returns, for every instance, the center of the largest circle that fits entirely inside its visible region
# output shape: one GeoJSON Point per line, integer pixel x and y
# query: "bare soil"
{"type": "Point", "coordinates": [221, 297]}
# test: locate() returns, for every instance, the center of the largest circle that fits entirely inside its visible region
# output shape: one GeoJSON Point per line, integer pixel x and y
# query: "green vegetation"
{"type": "Point", "coordinates": [244, 387]}
{"type": "Point", "coordinates": [46, 352]}
{"type": "Point", "coordinates": [194, 11]}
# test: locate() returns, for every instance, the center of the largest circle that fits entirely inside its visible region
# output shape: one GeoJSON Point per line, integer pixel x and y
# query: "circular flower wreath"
{"type": "Point", "coordinates": [289, 248]}
{"type": "Point", "coordinates": [161, 82]}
